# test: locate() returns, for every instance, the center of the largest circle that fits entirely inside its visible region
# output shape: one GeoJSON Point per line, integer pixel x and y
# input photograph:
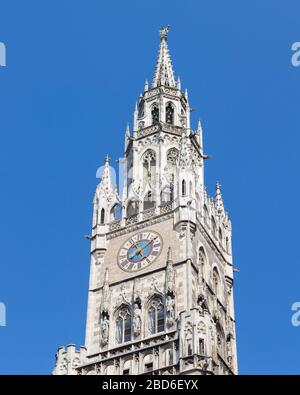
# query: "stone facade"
{"type": "Point", "coordinates": [166, 305]}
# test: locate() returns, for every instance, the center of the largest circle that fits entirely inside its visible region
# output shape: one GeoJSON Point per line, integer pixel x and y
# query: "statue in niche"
{"type": "Point", "coordinates": [104, 330]}
{"type": "Point", "coordinates": [137, 320]}
{"type": "Point", "coordinates": [170, 307]}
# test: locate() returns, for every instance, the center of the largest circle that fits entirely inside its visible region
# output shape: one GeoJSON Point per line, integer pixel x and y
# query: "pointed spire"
{"type": "Point", "coordinates": [135, 117]}
{"type": "Point", "coordinates": [163, 74]}
{"type": "Point", "coordinates": [178, 84]}
{"type": "Point", "coordinates": [106, 182]}
{"type": "Point", "coordinates": [186, 95]}
{"type": "Point", "coordinates": [200, 134]}
{"type": "Point", "coordinates": [219, 205]}
{"type": "Point", "coordinates": [146, 87]}
{"type": "Point", "coordinates": [127, 136]}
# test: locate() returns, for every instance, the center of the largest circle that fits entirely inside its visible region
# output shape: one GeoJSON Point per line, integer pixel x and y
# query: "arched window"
{"type": "Point", "coordinates": [216, 281]}
{"type": "Point", "coordinates": [155, 114]}
{"type": "Point", "coordinates": [116, 212]}
{"type": "Point", "coordinates": [149, 168]}
{"type": "Point", "coordinates": [123, 325]}
{"type": "Point", "coordinates": [170, 113]}
{"type": "Point", "coordinates": [132, 208]}
{"type": "Point", "coordinates": [213, 227]}
{"type": "Point", "coordinates": [156, 316]}
{"type": "Point", "coordinates": [102, 217]}
{"type": "Point", "coordinates": [183, 188]}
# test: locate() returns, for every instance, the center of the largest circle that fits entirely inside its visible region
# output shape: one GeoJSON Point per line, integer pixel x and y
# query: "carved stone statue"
{"type": "Point", "coordinates": [137, 320]}
{"type": "Point", "coordinates": [170, 307]}
{"type": "Point", "coordinates": [104, 331]}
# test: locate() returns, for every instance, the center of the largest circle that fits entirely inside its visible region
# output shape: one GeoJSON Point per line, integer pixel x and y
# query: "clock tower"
{"type": "Point", "coordinates": [160, 297]}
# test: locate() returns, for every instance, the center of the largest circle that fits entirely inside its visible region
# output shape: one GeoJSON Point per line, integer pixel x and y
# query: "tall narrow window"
{"type": "Point", "coordinates": [170, 114]}
{"type": "Point", "coordinates": [156, 317]}
{"type": "Point", "coordinates": [155, 114]}
{"type": "Point", "coordinates": [201, 347]}
{"type": "Point", "coordinates": [216, 281]}
{"type": "Point", "coordinates": [123, 326]}
{"type": "Point", "coordinates": [183, 188]}
{"type": "Point", "coordinates": [102, 219]}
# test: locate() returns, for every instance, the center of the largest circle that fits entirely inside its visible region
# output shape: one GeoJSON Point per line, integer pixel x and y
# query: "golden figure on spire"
{"type": "Point", "coordinates": [163, 31]}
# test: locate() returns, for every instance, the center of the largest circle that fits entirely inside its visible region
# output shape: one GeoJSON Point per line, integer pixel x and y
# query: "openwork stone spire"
{"type": "Point", "coordinates": [219, 200]}
{"type": "Point", "coordinates": [106, 184]}
{"type": "Point", "coordinates": [163, 74]}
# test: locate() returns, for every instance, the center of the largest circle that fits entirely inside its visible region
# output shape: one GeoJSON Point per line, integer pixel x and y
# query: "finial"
{"type": "Point", "coordinates": [163, 31]}
{"type": "Point", "coordinates": [199, 126]}
{"type": "Point", "coordinates": [218, 187]}
{"type": "Point", "coordinates": [146, 87]}
{"type": "Point", "coordinates": [178, 83]}
{"type": "Point", "coordinates": [136, 107]}
{"type": "Point", "coordinates": [107, 158]}
{"type": "Point", "coordinates": [127, 129]}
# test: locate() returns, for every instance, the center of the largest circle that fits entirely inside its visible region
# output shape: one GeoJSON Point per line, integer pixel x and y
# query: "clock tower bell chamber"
{"type": "Point", "coordinates": [160, 297]}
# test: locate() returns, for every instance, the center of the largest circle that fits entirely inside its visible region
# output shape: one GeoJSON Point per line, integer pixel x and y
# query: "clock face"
{"type": "Point", "coordinates": [139, 251]}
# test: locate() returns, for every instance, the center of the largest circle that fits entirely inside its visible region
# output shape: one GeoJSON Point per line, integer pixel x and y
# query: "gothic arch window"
{"type": "Point", "coordinates": [132, 208]}
{"type": "Point", "coordinates": [220, 339]}
{"type": "Point", "coordinates": [149, 168]}
{"type": "Point", "coordinates": [102, 216]}
{"type": "Point", "coordinates": [141, 109]}
{"type": "Point", "coordinates": [116, 212]}
{"type": "Point", "coordinates": [183, 188]}
{"type": "Point", "coordinates": [216, 281]}
{"type": "Point", "coordinates": [213, 226]}
{"type": "Point", "coordinates": [156, 316]}
{"type": "Point", "coordinates": [170, 113]}
{"type": "Point", "coordinates": [155, 114]}
{"type": "Point", "coordinates": [123, 325]}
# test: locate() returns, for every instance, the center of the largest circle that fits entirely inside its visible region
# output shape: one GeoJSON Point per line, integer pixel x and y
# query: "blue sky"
{"type": "Point", "coordinates": [74, 70]}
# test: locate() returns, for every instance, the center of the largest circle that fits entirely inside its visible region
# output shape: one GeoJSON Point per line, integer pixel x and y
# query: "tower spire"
{"type": "Point", "coordinates": [163, 74]}
{"type": "Point", "coordinates": [219, 200]}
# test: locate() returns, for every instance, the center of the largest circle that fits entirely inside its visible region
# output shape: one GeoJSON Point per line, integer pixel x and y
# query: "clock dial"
{"type": "Point", "coordinates": [139, 251]}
